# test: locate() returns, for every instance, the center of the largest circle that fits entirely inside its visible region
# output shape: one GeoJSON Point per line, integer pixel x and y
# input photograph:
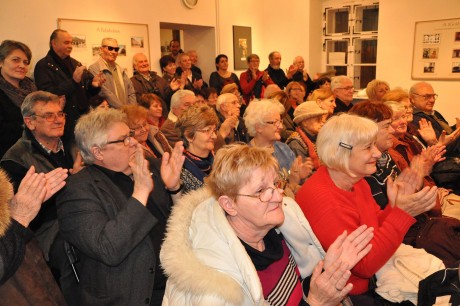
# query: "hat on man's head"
{"type": "Point", "coordinates": [308, 110]}
{"type": "Point", "coordinates": [229, 88]}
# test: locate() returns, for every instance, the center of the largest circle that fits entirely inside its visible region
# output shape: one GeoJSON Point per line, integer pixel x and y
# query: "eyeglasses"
{"type": "Point", "coordinates": [266, 194]}
{"type": "Point", "coordinates": [403, 117]}
{"type": "Point", "coordinates": [208, 131]}
{"type": "Point", "coordinates": [276, 123]}
{"type": "Point", "coordinates": [140, 127]}
{"type": "Point", "coordinates": [346, 88]}
{"type": "Point", "coordinates": [126, 140]}
{"type": "Point", "coordinates": [50, 117]}
{"type": "Point", "coordinates": [110, 48]}
{"type": "Point", "coordinates": [428, 96]}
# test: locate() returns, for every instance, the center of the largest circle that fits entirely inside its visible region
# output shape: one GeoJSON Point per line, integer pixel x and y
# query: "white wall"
{"type": "Point", "coordinates": [32, 21]}
{"type": "Point", "coordinates": [396, 38]}
{"type": "Point", "coordinates": [275, 25]}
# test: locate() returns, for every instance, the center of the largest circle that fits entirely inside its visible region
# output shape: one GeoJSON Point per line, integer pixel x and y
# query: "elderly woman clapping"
{"type": "Point", "coordinates": [263, 121]}
{"type": "Point", "coordinates": [239, 242]}
{"type": "Point", "coordinates": [337, 198]}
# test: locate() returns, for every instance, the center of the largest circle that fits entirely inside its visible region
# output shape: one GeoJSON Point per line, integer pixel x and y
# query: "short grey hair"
{"type": "Point", "coordinates": [225, 97]}
{"type": "Point", "coordinates": [107, 39]}
{"type": "Point", "coordinates": [338, 80]}
{"type": "Point", "coordinates": [339, 135]}
{"type": "Point", "coordinates": [91, 130]}
{"type": "Point", "coordinates": [257, 110]}
{"type": "Point", "coordinates": [33, 98]}
{"type": "Point", "coordinates": [176, 99]}
{"type": "Point", "coordinates": [395, 106]}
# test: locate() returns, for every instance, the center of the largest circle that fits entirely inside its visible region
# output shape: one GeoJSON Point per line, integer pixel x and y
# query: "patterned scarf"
{"type": "Point", "coordinates": [17, 95]}
{"type": "Point", "coordinates": [311, 147]}
{"type": "Point", "coordinates": [199, 167]}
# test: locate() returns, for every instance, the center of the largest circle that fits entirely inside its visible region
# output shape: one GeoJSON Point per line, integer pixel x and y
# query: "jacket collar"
{"type": "Point", "coordinates": [6, 193]}
{"type": "Point", "coordinates": [184, 271]}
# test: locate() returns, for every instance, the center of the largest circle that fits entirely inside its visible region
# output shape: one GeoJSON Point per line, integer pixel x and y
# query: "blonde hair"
{"type": "Point", "coordinates": [234, 166]}
{"type": "Point", "coordinates": [339, 135]}
{"type": "Point", "coordinates": [397, 94]}
{"type": "Point", "coordinates": [322, 93]}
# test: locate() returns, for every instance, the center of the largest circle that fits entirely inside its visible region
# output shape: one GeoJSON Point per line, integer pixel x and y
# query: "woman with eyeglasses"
{"type": "Point", "coordinates": [263, 121]}
{"type": "Point", "coordinates": [150, 137]}
{"type": "Point", "coordinates": [197, 128]}
{"type": "Point", "coordinates": [14, 87]}
{"type": "Point", "coordinates": [238, 241]}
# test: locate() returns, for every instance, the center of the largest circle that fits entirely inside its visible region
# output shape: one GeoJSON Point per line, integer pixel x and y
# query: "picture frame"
{"type": "Point", "coordinates": [131, 37]}
{"type": "Point", "coordinates": [436, 53]}
{"type": "Point", "coordinates": [242, 46]}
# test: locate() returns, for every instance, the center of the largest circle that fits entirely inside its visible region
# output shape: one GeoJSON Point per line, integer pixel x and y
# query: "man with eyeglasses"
{"type": "Point", "coordinates": [118, 89]}
{"type": "Point", "coordinates": [41, 146]}
{"type": "Point", "coordinates": [64, 76]}
{"type": "Point", "coordinates": [342, 87]}
{"type": "Point", "coordinates": [114, 212]}
{"type": "Point", "coordinates": [423, 98]}
{"type": "Point", "coordinates": [232, 126]}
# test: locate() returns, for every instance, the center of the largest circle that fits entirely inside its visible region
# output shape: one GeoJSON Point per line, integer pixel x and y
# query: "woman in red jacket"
{"type": "Point", "coordinates": [337, 198]}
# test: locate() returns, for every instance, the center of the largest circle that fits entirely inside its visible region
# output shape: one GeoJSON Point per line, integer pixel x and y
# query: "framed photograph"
{"type": "Point", "coordinates": [132, 38]}
{"type": "Point", "coordinates": [242, 46]}
{"type": "Point", "coordinates": [436, 51]}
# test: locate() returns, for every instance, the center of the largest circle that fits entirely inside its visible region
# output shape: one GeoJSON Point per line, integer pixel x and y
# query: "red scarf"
{"type": "Point", "coordinates": [311, 148]}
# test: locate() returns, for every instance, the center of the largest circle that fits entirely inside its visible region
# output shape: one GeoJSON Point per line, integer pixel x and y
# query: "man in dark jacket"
{"type": "Point", "coordinates": [64, 76]}
{"type": "Point", "coordinates": [423, 99]}
{"type": "Point", "coordinates": [275, 71]}
{"type": "Point", "coordinates": [146, 81]}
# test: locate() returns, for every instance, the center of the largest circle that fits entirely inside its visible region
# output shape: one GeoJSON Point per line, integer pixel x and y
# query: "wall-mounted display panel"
{"type": "Point", "coordinates": [436, 50]}
{"type": "Point", "coordinates": [87, 36]}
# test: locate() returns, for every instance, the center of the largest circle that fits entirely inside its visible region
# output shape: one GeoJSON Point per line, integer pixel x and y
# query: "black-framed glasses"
{"type": "Point", "coordinates": [110, 48]}
{"type": "Point", "coordinates": [126, 140]}
{"type": "Point", "coordinates": [428, 96]}
{"type": "Point", "coordinates": [276, 123]}
{"type": "Point", "coordinates": [266, 194]}
{"type": "Point", "coordinates": [50, 117]}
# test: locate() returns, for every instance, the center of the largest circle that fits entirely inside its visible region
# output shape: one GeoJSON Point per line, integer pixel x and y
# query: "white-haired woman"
{"type": "Point", "coordinates": [237, 241]}
{"type": "Point", "coordinates": [337, 198]}
{"type": "Point", "coordinates": [263, 121]}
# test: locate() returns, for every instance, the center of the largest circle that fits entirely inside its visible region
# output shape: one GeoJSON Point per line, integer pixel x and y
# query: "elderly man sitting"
{"type": "Point", "coordinates": [228, 111]}
{"type": "Point", "coordinates": [111, 215]}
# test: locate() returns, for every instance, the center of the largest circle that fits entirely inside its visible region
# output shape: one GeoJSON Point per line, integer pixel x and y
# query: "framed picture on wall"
{"type": "Point", "coordinates": [436, 54]}
{"type": "Point", "coordinates": [242, 46]}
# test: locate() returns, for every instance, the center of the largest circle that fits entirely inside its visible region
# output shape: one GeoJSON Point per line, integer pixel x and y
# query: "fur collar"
{"type": "Point", "coordinates": [6, 193]}
{"type": "Point", "coordinates": [187, 272]}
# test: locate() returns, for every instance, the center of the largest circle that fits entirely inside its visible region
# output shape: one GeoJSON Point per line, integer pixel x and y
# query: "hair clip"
{"type": "Point", "coordinates": [346, 146]}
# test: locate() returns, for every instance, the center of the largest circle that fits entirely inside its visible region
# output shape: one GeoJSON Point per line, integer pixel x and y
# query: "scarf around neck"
{"type": "Point", "coordinates": [17, 95]}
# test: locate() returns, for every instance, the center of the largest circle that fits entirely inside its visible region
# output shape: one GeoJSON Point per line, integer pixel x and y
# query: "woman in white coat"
{"type": "Point", "coordinates": [238, 241]}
